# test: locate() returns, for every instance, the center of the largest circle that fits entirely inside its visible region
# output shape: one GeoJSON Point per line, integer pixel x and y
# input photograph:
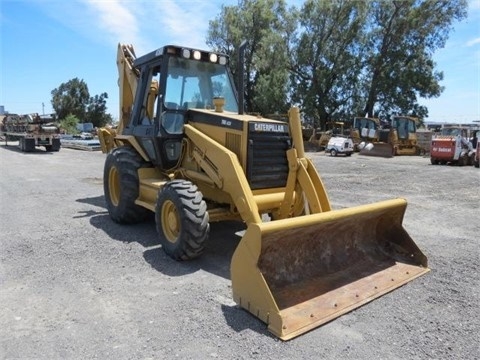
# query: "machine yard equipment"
{"type": "Point", "coordinates": [366, 135]}
{"type": "Point", "coordinates": [453, 146]}
{"type": "Point", "coordinates": [476, 160]}
{"type": "Point", "coordinates": [185, 150]}
{"type": "Point", "coordinates": [399, 139]}
{"type": "Point", "coordinates": [403, 136]}
{"type": "Point", "coordinates": [31, 130]}
{"type": "Point", "coordinates": [319, 139]}
{"type": "Point", "coordinates": [340, 145]}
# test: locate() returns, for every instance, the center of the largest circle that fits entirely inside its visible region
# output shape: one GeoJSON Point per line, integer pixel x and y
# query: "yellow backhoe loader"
{"type": "Point", "coordinates": [185, 150]}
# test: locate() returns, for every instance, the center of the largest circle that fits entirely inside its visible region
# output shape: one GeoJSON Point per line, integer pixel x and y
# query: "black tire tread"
{"type": "Point", "coordinates": [194, 219]}
{"type": "Point", "coordinates": [127, 161]}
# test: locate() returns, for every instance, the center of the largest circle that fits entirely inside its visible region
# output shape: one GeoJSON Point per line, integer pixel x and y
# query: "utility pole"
{"type": "Point", "coordinates": [43, 108]}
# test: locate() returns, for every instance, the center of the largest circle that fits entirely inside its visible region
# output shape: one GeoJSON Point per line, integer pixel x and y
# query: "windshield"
{"type": "Point", "coordinates": [362, 123]}
{"type": "Point", "coordinates": [404, 126]}
{"type": "Point", "coordinates": [194, 84]}
{"type": "Point", "coordinates": [451, 131]}
{"type": "Point", "coordinates": [404, 123]}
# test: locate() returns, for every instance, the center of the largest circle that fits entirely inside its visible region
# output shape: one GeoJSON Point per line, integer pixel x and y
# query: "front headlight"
{"type": "Point", "coordinates": [186, 53]}
{"type": "Point", "coordinates": [213, 58]}
{"type": "Point", "coordinates": [197, 55]}
{"type": "Point", "coordinates": [222, 60]}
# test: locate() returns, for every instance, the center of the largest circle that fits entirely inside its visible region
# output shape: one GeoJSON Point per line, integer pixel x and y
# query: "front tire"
{"type": "Point", "coordinates": [182, 219]}
{"type": "Point", "coordinates": [333, 152]}
{"type": "Point", "coordinates": [463, 160]}
{"type": "Point", "coordinates": [121, 185]}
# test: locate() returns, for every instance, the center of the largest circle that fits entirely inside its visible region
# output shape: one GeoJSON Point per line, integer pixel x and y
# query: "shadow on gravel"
{"type": "Point", "coordinates": [215, 259]}
{"type": "Point", "coordinates": [37, 151]}
{"type": "Point", "coordinates": [98, 201]}
{"type": "Point", "coordinates": [240, 320]}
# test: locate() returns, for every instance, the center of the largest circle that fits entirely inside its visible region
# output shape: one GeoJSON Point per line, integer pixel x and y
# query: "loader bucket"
{"type": "Point", "coordinates": [299, 273]}
{"type": "Point", "coordinates": [378, 149]}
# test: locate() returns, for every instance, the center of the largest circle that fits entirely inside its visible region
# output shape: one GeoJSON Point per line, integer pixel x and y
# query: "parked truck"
{"type": "Point", "coordinates": [31, 130]}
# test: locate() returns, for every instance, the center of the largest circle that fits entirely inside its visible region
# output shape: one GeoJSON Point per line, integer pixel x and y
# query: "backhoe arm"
{"type": "Point", "coordinates": [127, 82]}
{"type": "Point", "coordinates": [128, 77]}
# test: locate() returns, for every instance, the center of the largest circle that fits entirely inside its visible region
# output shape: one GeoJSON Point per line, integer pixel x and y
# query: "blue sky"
{"type": "Point", "coordinates": [47, 42]}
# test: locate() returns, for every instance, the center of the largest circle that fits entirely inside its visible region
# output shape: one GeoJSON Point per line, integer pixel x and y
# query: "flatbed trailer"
{"type": "Point", "coordinates": [31, 131]}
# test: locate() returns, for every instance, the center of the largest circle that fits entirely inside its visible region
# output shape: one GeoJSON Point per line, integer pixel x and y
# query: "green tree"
{"type": "Point", "coordinates": [267, 26]}
{"type": "Point", "coordinates": [327, 57]}
{"type": "Point", "coordinates": [71, 97]}
{"type": "Point", "coordinates": [402, 38]}
{"type": "Point", "coordinates": [74, 98]}
{"type": "Point", "coordinates": [96, 110]}
{"type": "Point", "coordinates": [344, 57]}
{"type": "Point", "coordinates": [69, 124]}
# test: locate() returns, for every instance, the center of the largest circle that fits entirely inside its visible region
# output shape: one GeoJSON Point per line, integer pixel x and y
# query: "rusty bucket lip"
{"type": "Point", "coordinates": [302, 318]}
{"type": "Point", "coordinates": [292, 305]}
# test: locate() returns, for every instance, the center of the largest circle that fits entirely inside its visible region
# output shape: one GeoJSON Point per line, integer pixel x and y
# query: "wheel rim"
{"type": "Point", "coordinates": [114, 185]}
{"type": "Point", "coordinates": [170, 221]}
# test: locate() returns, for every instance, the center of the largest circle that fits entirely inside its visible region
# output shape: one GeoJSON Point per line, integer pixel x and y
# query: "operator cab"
{"type": "Point", "coordinates": [172, 81]}
{"type": "Point", "coordinates": [366, 127]}
{"type": "Point", "coordinates": [404, 125]}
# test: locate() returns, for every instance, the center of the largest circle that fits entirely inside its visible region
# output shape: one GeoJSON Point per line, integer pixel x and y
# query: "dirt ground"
{"type": "Point", "coordinates": [75, 285]}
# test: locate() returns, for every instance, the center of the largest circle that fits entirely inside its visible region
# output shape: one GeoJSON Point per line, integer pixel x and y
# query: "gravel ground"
{"type": "Point", "coordinates": [75, 285]}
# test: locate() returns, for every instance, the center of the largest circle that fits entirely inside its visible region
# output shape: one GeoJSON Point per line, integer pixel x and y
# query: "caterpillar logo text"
{"type": "Point", "coordinates": [267, 127]}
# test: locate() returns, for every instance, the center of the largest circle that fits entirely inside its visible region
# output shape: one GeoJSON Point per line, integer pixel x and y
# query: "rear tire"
{"type": "Point", "coordinates": [182, 220]}
{"type": "Point", "coordinates": [121, 185]}
{"type": "Point", "coordinates": [463, 160]}
{"type": "Point", "coordinates": [55, 145]}
{"type": "Point", "coordinates": [29, 145]}
{"type": "Point", "coordinates": [333, 152]}
{"type": "Point", "coordinates": [471, 159]}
